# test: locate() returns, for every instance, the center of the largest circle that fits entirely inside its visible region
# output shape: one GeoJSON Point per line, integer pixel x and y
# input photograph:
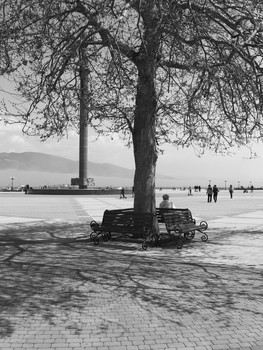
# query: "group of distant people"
{"type": "Point", "coordinates": [212, 193]}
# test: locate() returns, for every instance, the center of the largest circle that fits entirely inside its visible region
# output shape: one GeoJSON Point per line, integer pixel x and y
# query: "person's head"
{"type": "Point", "coordinates": [165, 197]}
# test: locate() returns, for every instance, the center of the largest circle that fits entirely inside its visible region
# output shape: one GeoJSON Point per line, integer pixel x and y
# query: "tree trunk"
{"type": "Point", "coordinates": [144, 134]}
{"type": "Point", "coordinates": [144, 144]}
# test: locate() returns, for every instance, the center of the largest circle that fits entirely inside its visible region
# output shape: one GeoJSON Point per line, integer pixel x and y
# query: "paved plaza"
{"type": "Point", "coordinates": [59, 291]}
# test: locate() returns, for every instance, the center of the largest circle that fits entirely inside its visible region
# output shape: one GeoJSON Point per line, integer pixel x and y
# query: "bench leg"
{"type": "Point", "coordinates": [149, 239]}
{"type": "Point", "coordinates": [204, 236]}
{"type": "Point", "coordinates": [178, 233]}
{"type": "Point", "coordinates": [180, 243]}
{"type": "Point", "coordinates": [189, 235]}
{"type": "Point", "coordinates": [94, 236]}
{"type": "Point", "coordinates": [106, 236]}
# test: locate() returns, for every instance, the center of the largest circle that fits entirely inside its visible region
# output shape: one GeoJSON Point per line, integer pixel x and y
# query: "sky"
{"type": "Point", "coordinates": [177, 163]}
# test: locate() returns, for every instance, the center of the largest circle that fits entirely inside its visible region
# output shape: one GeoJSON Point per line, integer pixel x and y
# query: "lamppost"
{"type": "Point", "coordinates": [12, 184]}
{"type": "Point", "coordinates": [225, 184]}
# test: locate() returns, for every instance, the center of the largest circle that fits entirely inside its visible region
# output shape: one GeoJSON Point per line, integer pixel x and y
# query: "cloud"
{"type": "Point", "coordinates": [17, 140]}
{"type": "Point", "coordinates": [13, 140]}
{"type": "Point", "coordinates": [2, 133]}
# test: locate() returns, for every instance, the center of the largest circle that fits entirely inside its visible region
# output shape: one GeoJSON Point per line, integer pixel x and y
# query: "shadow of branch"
{"type": "Point", "coordinates": [54, 269]}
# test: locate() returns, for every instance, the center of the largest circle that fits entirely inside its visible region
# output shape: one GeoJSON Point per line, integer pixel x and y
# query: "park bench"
{"type": "Point", "coordinates": [181, 223]}
{"type": "Point", "coordinates": [124, 221]}
{"type": "Point", "coordinates": [162, 238]}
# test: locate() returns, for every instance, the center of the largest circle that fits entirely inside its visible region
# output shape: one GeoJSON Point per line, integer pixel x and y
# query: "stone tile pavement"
{"type": "Point", "coordinates": [59, 291]}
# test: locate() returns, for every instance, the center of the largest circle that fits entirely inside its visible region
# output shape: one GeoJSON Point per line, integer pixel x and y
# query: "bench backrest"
{"type": "Point", "coordinates": [177, 217]}
{"type": "Point", "coordinates": [160, 211]}
{"type": "Point", "coordinates": [127, 218]}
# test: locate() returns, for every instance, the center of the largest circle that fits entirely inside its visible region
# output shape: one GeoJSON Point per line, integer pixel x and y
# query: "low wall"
{"type": "Point", "coordinates": [65, 191]}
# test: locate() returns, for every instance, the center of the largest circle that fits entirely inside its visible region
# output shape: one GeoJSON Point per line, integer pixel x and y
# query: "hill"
{"type": "Point", "coordinates": [40, 169]}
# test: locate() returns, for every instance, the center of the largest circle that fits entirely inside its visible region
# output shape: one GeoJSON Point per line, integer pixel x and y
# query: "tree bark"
{"type": "Point", "coordinates": [144, 134]}
{"type": "Point", "coordinates": [144, 143]}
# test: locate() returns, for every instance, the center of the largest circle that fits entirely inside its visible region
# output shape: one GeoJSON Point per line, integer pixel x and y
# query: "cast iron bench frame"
{"type": "Point", "coordinates": [124, 221]}
{"type": "Point", "coordinates": [182, 223]}
{"type": "Point", "coordinates": [162, 237]}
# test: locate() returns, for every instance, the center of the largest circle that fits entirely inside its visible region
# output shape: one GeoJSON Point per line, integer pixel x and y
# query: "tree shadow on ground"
{"type": "Point", "coordinates": [52, 269]}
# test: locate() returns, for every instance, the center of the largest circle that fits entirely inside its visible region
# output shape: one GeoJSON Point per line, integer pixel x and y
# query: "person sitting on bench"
{"type": "Point", "coordinates": [166, 203]}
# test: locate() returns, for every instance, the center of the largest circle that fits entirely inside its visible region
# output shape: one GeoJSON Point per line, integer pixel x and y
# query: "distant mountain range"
{"type": "Point", "coordinates": [41, 168]}
{"type": "Point", "coordinates": [48, 163]}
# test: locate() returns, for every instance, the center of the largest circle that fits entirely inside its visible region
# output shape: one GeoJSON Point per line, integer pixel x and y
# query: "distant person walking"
{"type": "Point", "coordinates": [189, 191]}
{"type": "Point", "coordinates": [215, 193]}
{"type": "Point", "coordinates": [166, 203]}
{"type": "Point", "coordinates": [231, 191]}
{"type": "Point", "coordinates": [122, 194]}
{"type": "Point", "coordinates": [209, 193]}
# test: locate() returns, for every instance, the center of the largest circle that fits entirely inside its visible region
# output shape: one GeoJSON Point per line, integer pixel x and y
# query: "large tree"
{"type": "Point", "coordinates": [179, 71]}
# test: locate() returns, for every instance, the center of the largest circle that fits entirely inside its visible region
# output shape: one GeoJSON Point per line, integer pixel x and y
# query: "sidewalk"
{"type": "Point", "coordinates": [59, 291]}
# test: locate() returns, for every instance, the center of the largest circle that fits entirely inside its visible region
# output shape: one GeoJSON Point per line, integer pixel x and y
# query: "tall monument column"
{"type": "Point", "coordinates": [83, 156]}
{"type": "Point", "coordinates": [83, 120]}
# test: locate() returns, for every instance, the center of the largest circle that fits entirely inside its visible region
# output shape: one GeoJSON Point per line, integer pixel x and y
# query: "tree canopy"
{"type": "Point", "coordinates": [157, 71]}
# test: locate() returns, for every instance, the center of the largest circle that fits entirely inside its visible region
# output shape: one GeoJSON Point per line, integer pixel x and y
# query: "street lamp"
{"type": "Point", "coordinates": [12, 185]}
{"type": "Point", "coordinates": [225, 184]}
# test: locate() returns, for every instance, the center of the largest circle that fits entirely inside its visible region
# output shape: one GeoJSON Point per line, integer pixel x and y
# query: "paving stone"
{"type": "Point", "coordinates": [58, 292]}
